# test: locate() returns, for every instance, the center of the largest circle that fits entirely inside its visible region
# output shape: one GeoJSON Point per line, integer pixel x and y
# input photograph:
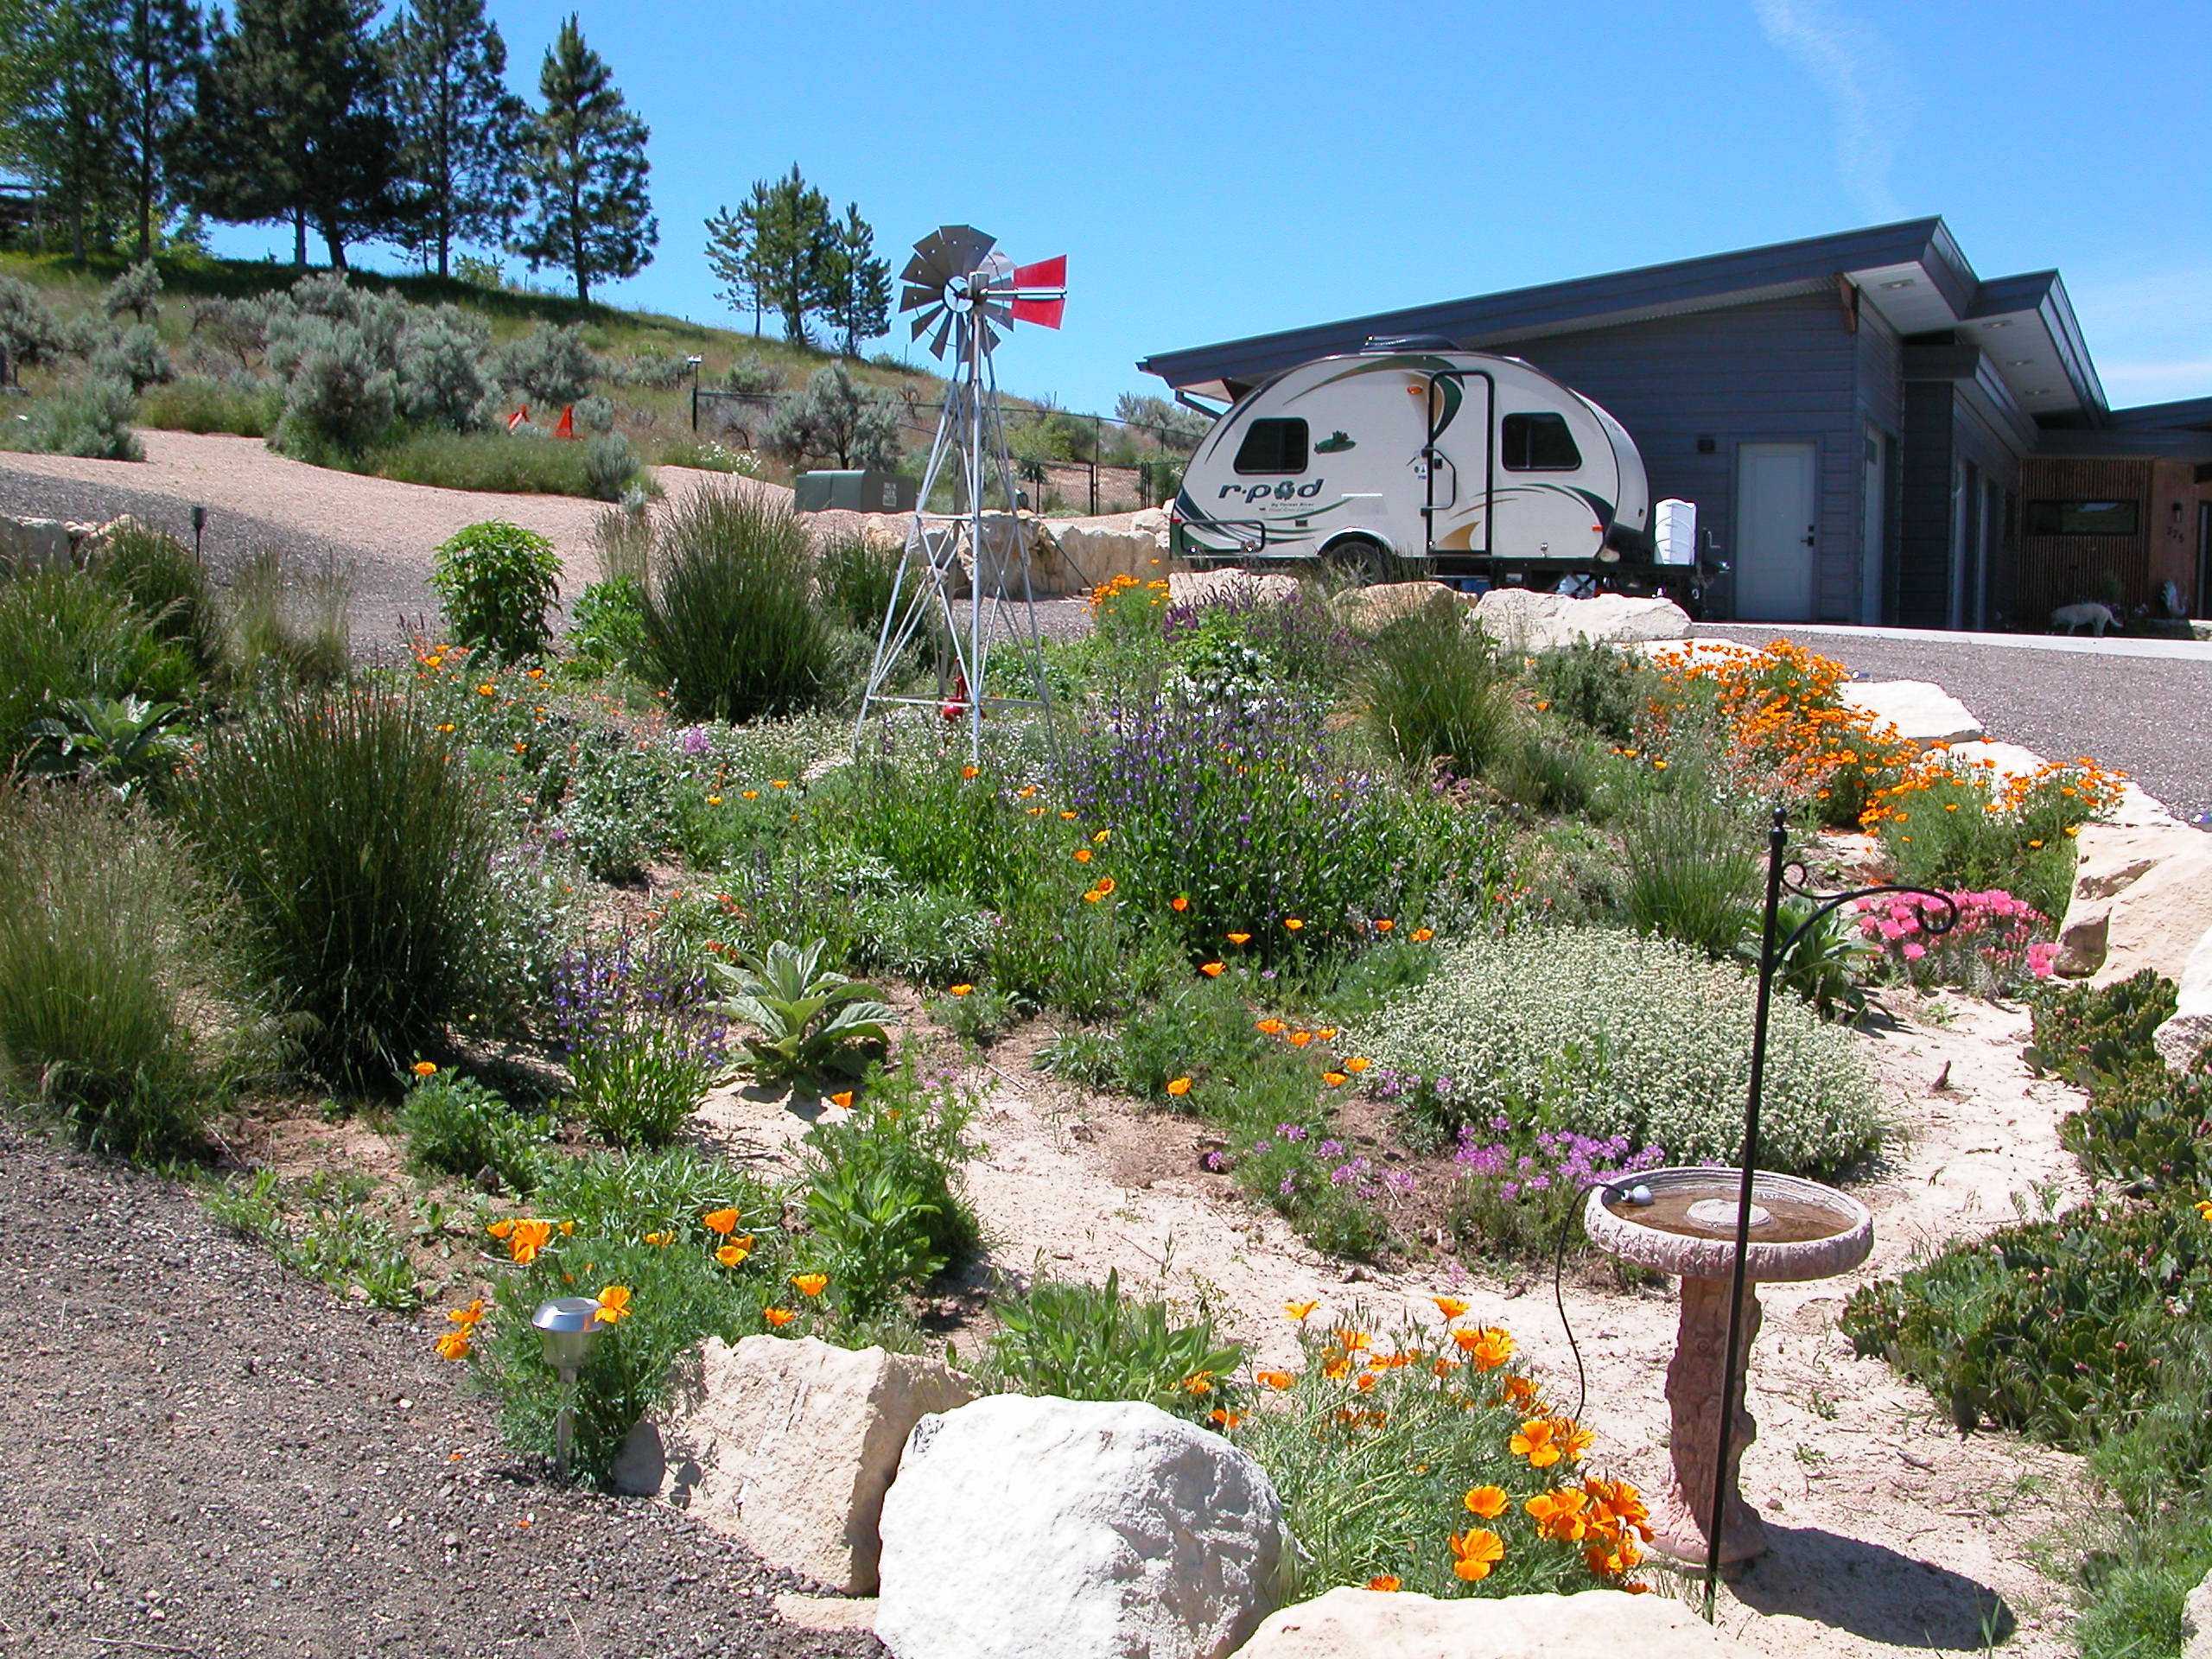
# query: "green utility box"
{"type": "Point", "coordinates": [855, 491]}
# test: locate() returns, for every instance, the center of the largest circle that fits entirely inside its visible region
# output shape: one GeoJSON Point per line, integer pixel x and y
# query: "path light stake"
{"type": "Point", "coordinates": [1782, 874]}
{"type": "Point", "coordinates": [566, 1325]}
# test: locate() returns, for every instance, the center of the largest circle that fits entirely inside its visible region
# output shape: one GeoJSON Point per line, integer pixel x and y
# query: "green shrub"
{"type": "Point", "coordinates": [2144, 1127]}
{"type": "Point", "coordinates": [1950, 824]}
{"type": "Point", "coordinates": [884, 1207]}
{"type": "Point", "coordinates": [197, 404]}
{"type": "Point", "coordinates": [456, 1126]}
{"type": "Point", "coordinates": [123, 746]}
{"type": "Point", "coordinates": [64, 635]}
{"type": "Point", "coordinates": [1605, 1033]}
{"type": "Point", "coordinates": [640, 1043]}
{"type": "Point", "coordinates": [607, 629]}
{"type": "Point", "coordinates": [550, 366]}
{"type": "Point", "coordinates": [360, 857]}
{"type": "Point", "coordinates": [90, 419]}
{"type": "Point", "coordinates": [135, 357]}
{"type": "Point", "coordinates": [730, 625]}
{"type": "Point", "coordinates": [1601, 688]}
{"type": "Point", "coordinates": [500, 462]}
{"type": "Point", "coordinates": [1435, 692]}
{"type": "Point", "coordinates": [610, 465]}
{"type": "Point", "coordinates": [1075, 1341]}
{"type": "Point", "coordinates": [28, 331]}
{"type": "Point", "coordinates": [100, 962]}
{"type": "Point", "coordinates": [496, 581]}
{"type": "Point", "coordinates": [2082, 1031]}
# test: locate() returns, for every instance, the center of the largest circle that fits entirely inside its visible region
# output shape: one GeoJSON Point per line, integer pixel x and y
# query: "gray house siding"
{"type": "Point", "coordinates": [1881, 406]}
{"type": "Point", "coordinates": [1781, 370]}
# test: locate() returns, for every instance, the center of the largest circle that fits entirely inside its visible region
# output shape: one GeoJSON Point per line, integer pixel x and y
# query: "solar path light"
{"type": "Point", "coordinates": [567, 1326]}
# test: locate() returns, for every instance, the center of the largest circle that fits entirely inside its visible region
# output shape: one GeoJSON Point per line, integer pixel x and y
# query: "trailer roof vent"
{"type": "Point", "coordinates": [1409, 343]}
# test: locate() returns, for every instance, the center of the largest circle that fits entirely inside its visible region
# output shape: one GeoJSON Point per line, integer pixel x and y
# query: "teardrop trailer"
{"type": "Point", "coordinates": [1408, 457]}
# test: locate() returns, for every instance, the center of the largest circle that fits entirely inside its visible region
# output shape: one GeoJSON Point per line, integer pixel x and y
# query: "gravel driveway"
{"type": "Point", "coordinates": [2142, 705]}
{"type": "Point", "coordinates": [206, 1455]}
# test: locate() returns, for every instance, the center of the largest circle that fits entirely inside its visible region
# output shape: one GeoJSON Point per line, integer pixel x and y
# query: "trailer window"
{"type": "Point", "coordinates": [1273, 446]}
{"type": "Point", "coordinates": [1539, 444]}
{"type": "Point", "coordinates": [2081, 517]}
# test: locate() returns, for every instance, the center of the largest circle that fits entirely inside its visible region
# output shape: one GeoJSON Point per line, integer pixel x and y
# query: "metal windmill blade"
{"type": "Point", "coordinates": [940, 285]}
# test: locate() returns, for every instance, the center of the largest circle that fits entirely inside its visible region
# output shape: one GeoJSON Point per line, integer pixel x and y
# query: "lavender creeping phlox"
{"type": "Point", "coordinates": [1518, 1200]}
{"type": "Point", "coordinates": [639, 1038]}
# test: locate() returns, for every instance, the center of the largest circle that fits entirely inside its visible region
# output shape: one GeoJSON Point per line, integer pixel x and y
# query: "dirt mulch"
{"type": "Point", "coordinates": [205, 1454]}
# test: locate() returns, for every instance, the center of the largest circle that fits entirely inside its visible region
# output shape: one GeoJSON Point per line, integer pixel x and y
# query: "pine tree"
{"type": "Point", "coordinates": [789, 234]}
{"type": "Point", "coordinates": [158, 55]}
{"type": "Point", "coordinates": [459, 128]}
{"type": "Point", "coordinates": [855, 286]}
{"type": "Point", "coordinates": [291, 122]}
{"type": "Point", "coordinates": [729, 256]}
{"type": "Point", "coordinates": [587, 169]}
{"type": "Point", "coordinates": [58, 107]}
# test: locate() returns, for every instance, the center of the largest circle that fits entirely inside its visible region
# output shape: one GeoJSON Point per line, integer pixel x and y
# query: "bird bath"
{"type": "Point", "coordinates": [1800, 1230]}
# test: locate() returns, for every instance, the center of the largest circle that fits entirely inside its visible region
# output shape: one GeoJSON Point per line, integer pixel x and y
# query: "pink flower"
{"type": "Point", "coordinates": [1914, 951]}
{"type": "Point", "coordinates": [2040, 957]}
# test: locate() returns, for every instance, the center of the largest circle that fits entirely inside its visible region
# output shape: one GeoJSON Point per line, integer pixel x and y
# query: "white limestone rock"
{"type": "Point", "coordinates": [1212, 586]}
{"type": "Point", "coordinates": [1520, 619]}
{"type": "Point", "coordinates": [1348, 1624]}
{"type": "Point", "coordinates": [789, 1445]}
{"type": "Point", "coordinates": [1917, 710]}
{"type": "Point", "coordinates": [2180, 1040]}
{"type": "Point", "coordinates": [1043, 1528]}
{"type": "Point", "coordinates": [2142, 898]}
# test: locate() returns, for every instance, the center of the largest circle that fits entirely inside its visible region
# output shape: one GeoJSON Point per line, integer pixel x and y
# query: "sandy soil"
{"type": "Point", "coordinates": [1891, 1531]}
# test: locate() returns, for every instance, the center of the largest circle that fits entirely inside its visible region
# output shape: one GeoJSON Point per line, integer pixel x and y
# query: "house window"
{"type": "Point", "coordinates": [1539, 444]}
{"type": "Point", "coordinates": [2081, 517]}
{"type": "Point", "coordinates": [1273, 446]}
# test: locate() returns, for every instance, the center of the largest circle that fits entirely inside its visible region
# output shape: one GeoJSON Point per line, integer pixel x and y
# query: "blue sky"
{"type": "Point", "coordinates": [1215, 170]}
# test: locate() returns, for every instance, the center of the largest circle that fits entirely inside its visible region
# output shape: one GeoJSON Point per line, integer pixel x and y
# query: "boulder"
{"type": "Point", "coordinates": [2142, 898]}
{"type": "Point", "coordinates": [1365, 610]}
{"type": "Point", "coordinates": [1075, 556]}
{"type": "Point", "coordinates": [2180, 1040]}
{"type": "Point", "coordinates": [1154, 522]}
{"type": "Point", "coordinates": [1917, 710]}
{"type": "Point", "coordinates": [1212, 586]}
{"type": "Point", "coordinates": [1348, 1624]}
{"type": "Point", "coordinates": [36, 543]}
{"type": "Point", "coordinates": [1521, 620]}
{"type": "Point", "coordinates": [1042, 1528]}
{"type": "Point", "coordinates": [789, 1445]}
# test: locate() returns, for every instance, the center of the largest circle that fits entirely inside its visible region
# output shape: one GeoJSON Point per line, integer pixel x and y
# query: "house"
{"type": "Point", "coordinates": [1871, 432]}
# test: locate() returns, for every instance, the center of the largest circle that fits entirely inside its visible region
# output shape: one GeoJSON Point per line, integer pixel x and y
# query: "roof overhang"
{"type": "Point", "coordinates": [1912, 273]}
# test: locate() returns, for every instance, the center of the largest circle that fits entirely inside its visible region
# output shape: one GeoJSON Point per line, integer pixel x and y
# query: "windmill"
{"type": "Point", "coordinates": [964, 294]}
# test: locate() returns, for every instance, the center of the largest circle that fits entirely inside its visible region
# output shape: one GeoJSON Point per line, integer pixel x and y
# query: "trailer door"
{"type": "Point", "coordinates": [1456, 467]}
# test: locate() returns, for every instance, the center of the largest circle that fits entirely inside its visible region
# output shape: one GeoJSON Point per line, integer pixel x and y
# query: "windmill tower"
{"type": "Point", "coordinates": [965, 292]}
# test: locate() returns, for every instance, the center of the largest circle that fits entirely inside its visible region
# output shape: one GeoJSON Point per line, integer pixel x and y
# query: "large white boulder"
{"type": "Point", "coordinates": [1520, 619]}
{"type": "Point", "coordinates": [1368, 610]}
{"type": "Point", "coordinates": [2180, 1040]}
{"type": "Point", "coordinates": [1216, 587]}
{"type": "Point", "coordinates": [2142, 898]}
{"type": "Point", "coordinates": [789, 1445]}
{"type": "Point", "coordinates": [1076, 554]}
{"type": "Point", "coordinates": [1917, 710]}
{"type": "Point", "coordinates": [1348, 1624]}
{"type": "Point", "coordinates": [1042, 1528]}
{"type": "Point", "coordinates": [36, 543]}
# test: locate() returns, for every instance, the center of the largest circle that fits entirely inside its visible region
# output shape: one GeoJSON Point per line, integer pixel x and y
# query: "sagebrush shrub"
{"type": "Point", "coordinates": [551, 365]}
{"type": "Point", "coordinates": [1606, 1034]}
{"type": "Point", "coordinates": [90, 420]}
{"type": "Point", "coordinates": [136, 357]}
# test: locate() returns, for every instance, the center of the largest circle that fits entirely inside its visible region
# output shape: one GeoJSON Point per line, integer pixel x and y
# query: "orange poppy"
{"type": "Point", "coordinates": [1488, 1502]}
{"type": "Point", "coordinates": [426, 1068]}
{"type": "Point", "coordinates": [1358, 1063]}
{"type": "Point", "coordinates": [1292, 923]}
{"type": "Point", "coordinates": [614, 1304]}
{"type": "Point", "coordinates": [1383, 1581]}
{"type": "Point", "coordinates": [1450, 1306]}
{"type": "Point", "coordinates": [720, 1221]}
{"type": "Point", "coordinates": [1179, 1087]}
{"type": "Point", "coordinates": [1239, 938]}
{"type": "Point", "coordinates": [731, 1255]}
{"type": "Point", "coordinates": [1212, 969]}
{"type": "Point", "coordinates": [1423, 935]}
{"type": "Point", "coordinates": [1474, 1552]}
{"type": "Point", "coordinates": [1298, 1311]}
{"type": "Point", "coordinates": [1275, 1379]}
{"type": "Point", "coordinates": [1179, 902]}
{"type": "Point", "coordinates": [1334, 1080]}
{"type": "Point", "coordinates": [811, 1284]}
{"type": "Point", "coordinates": [778, 1317]}
{"type": "Point", "coordinates": [454, 1346]}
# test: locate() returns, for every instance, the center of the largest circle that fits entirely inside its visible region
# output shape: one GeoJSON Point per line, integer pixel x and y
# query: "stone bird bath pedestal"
{"type": "Point", "coordinates": [1800, 1230]}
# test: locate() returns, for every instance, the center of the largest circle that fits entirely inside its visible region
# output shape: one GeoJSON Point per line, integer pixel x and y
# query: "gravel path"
{"type": "Point", "coordinates": [2151, 716]}
{"type": "Point", "coordinates": [204, 1454]}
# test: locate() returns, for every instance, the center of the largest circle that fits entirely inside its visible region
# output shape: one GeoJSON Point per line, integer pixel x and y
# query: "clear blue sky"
{"type": "Point", "coordinates": [1215, 170]}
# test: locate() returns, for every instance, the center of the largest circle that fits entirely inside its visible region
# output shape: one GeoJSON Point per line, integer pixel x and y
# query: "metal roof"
{"type": "Point", "coordinates": [1912, 272]}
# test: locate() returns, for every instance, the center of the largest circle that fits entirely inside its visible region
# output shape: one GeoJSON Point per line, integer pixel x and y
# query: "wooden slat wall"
{"type": "Point", "coordinates": [2054, 570]}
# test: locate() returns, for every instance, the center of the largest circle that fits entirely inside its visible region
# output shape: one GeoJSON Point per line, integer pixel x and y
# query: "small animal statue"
{"type": "Point", "coordinates": [2089, 614]}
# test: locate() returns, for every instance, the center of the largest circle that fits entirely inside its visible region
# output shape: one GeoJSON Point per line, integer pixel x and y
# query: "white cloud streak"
{"type": "Point", "coordinates": [1868, 86]}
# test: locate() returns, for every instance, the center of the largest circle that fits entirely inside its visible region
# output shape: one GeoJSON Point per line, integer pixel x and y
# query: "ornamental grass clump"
{"type": "Point", "coordinates": [730, 624]}
{"type": "Point", "coordinates": [1076, 1341]}
{"type": "Point", "coordinates": [1605, 1033]}
{"type": "Point", "coordinates": [360, 855]}
{"type": "Point", "coordinates": [1418, 1460]}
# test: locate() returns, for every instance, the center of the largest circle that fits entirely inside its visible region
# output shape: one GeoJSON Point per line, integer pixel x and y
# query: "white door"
{"type": "Point", "coordinates": [1775, 531]}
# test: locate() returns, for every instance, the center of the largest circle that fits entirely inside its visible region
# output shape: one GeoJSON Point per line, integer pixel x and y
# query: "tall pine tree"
{"type": "Point", "coordinates": [587, 167]}
{"type": "Point", "coordinates": [157, 55]}
{"type": "Point", "coordinates": [729, 256]}
{"type": "Point", "coordinates": [460, 129]}
{"type": "Point", "coordinates": [855, 286]}
{"type": "Point", "coordinates": [291, 122]}
{"type": "Point", "coordinates": [787, 237]}
{"type": "Point", "coordinates": [59, 107]}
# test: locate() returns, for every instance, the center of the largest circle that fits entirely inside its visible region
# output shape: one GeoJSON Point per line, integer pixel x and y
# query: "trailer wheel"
{"type": "Point", "coordinates": [1359, 560]}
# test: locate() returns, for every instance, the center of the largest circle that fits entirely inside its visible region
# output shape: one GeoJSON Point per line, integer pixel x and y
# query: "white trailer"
{"type": "Point", "coordinates": [1415, 454]}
